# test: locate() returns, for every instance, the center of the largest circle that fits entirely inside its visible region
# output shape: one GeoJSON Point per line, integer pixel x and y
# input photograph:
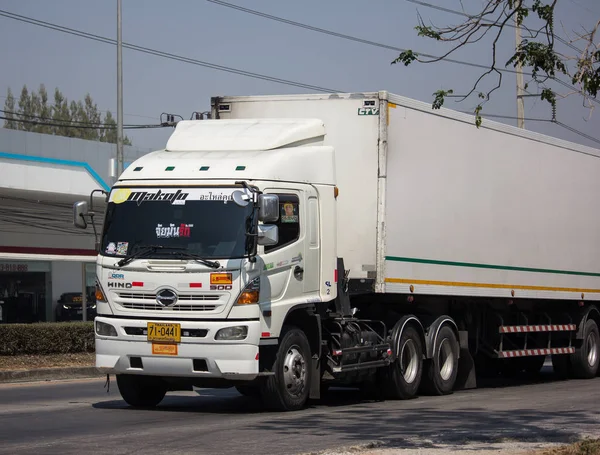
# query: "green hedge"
{"type": "Point", "coordinates": [46, 338]}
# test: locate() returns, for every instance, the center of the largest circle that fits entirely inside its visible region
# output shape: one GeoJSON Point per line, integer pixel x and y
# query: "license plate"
{"type": "Point", "coordinates": [79, 311]}
{"type": "Point", "coordinates": [164, 349]}
{"type": "Point", "coordinates": [160, 331]}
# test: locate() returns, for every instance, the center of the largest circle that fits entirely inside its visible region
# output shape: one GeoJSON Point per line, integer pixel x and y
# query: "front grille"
{"type": "Point", "coordinates": [186, 297]}
{"type": "Point", "coordinates": [157, 307]}
{"type": "Point", "coordinates": [145, 301]}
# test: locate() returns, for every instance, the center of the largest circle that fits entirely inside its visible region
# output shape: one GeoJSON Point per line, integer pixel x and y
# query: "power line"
{"type": "Point", "coordinates": [80, 127]}
{"type": "Point", "coordinates": [66, 122]}
{"type": "Point", "coordinates": [381, 45]}
{"type": "Point", "coordinates": [158, 53]}
{"type": "Point", "coordinates": [348, 37]}
{"type": "Point", "coordinates": [175, 57]}
{"type": "Point", "coordinates": [461, 13]}
{"type": "Point", "coordinates": [558, 38]}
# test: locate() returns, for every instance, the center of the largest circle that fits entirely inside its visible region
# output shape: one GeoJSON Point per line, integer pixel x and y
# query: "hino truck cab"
{"type": "Point", "coordinates": [207, 248]}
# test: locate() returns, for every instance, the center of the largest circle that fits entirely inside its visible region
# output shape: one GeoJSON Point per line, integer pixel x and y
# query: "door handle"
{"type": "Point", "coordinates": [298, 272]}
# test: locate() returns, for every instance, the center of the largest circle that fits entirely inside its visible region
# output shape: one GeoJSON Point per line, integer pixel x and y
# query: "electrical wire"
{"type": "Point", "coordinates": [175, 57]}
{"type": "Point", "coordinates": [162, 54]}
{"type": "Point", "coordinates": [348, 37]}
{"type": "Point", "coordinates": [81, 127]}
{"type": "Point", "coordinates": [461, 13]}
{"type": "Point", "coordinates": [381, 45]}
{"type": "Point", "coordinates": [66, 122]}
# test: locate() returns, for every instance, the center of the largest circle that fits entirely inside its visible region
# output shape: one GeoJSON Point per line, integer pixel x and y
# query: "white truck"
{"type": "Point", "coordinates": [292, 243]}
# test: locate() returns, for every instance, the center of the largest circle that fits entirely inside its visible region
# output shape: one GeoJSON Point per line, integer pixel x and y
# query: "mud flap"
{"type": "Point", "coordinates": [466, 378]}
{"type": "Point", "coordinates": [315, 383]}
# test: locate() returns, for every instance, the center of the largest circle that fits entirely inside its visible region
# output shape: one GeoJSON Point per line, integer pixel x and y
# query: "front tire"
{"type": "Point", "coordinates": [141, 391]}
{"type": "Point", "coordinates": [288, 389]}
{"type": "Point", "coordinates": [441, 370]}
{"type": "Point", "coordinates": [585, 359]}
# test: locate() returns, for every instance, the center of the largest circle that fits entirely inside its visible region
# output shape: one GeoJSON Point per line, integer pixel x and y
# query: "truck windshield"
{"type": "Point", "coordinates": [204, 221]}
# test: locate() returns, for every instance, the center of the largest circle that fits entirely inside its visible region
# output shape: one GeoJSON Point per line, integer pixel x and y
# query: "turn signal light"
{"type": "Point", "coordinates": [99, 294]}
{"type": "Point", "coordinates": [251, 293]}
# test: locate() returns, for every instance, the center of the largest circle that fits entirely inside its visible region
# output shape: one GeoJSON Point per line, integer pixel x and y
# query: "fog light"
{"type": "Point", "coordinates": [238, 332]}
{"type": "Point", "coordinates": [105, 330]}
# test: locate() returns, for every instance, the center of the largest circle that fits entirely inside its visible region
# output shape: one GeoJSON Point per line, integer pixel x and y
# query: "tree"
{"type": "Point", "coordinates": [45, 111]}
{"type": "Point", "coordinates": [78, 119]}
{"type": "Point", "coordinates": [537, 51]}
{"type": "Point", "coordinates": [10, 107]}
{"type": "Point", "coordinates": [25, 112]}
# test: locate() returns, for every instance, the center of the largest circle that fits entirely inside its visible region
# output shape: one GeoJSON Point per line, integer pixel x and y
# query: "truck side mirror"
{"type": "Point", "coordinates": [80, 210]}
{"type": "Point", "coordinates": [268, 234]}
{"type": "Point", "coordinates": [268, 208]}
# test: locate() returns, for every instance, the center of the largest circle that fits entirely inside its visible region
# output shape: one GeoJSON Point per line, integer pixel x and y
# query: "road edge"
{"type": "Point", "coordinates": [48, 374]}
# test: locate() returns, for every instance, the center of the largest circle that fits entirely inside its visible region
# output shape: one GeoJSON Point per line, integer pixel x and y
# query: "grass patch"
{"type": "Point", "coordinates": [586, 447]}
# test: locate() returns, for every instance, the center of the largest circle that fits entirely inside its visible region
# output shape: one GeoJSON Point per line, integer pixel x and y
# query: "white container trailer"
{"type": "Point", "coordinates": [427, 199]}
{"type": "Point", "coordinates": [295, 242]}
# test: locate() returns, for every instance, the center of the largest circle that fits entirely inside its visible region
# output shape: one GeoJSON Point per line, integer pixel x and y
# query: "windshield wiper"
{"type": "Point", "coordinates": [143, 251]}
{"type": "Point", "coordinates": [197, 258]}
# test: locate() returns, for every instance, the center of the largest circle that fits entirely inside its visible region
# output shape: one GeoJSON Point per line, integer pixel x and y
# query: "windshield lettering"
{"type": "Point", "coordinates": [170, 231]}
{"type": "Point", "coordinates": [177, 198]}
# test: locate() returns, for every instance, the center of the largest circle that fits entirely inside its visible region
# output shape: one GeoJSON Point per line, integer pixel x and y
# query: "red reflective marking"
{"type": "Point", "coordinates": [256, 358]}
{"type": "Point", "coordinates": [137, 284]}
{"type": "Point", "coordinates": [265, 334]}
{"type": "Point", "coordinates": [195, 285]}
{"type": "Point", "coordinates": [335, 272]}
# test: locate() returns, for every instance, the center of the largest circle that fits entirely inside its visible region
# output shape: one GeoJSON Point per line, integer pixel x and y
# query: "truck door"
{"type": "Point", "coordinates": [292, 266]}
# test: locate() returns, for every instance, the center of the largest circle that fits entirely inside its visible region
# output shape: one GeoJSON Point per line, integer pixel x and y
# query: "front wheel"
{"type": "Point", "coordinates": [141, 391]}
{"type": "Point", "coordinates": [289, 387]}
{"type": "Point", "coordinates": [441, 370]}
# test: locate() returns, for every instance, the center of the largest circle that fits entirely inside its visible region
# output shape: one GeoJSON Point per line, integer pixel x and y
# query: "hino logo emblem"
{"type": "Point", "coordinates": [166, 297]}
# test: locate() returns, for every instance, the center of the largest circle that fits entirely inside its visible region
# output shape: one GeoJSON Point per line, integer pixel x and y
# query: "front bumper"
{"type": "Point", "coordinates": [231, 360]}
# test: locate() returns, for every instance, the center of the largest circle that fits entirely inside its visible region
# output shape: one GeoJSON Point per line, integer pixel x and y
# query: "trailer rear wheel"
{"type": "Point", "coordinates": [442, 368]}
{"type": "Point", "coordinates": [289, 387]}
{"type": "Point", "coordinates": [585, 358]}
{"type": "Point", "coordinates": [141, 391]}
{"type": "Point", "coordinates": [404, 375]}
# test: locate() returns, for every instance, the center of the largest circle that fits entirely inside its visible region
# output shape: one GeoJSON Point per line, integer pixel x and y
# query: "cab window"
{"type": "Point", "coordinates": [288, 223]}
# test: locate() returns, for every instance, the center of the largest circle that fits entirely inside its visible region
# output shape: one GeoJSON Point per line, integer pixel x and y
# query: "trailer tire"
{"type": "Point", "coordinates": [585, 359]}
{"type": "Point", "coordinates": [403, 376]}
{"type": "Point", "coordinates": [441, 370]}
{"type": "Point", "coordinates": [141, 391]}
{"type": "Point", "coordinates": [288, 389]}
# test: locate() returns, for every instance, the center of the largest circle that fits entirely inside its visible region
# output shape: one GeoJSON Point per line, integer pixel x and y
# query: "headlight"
{"type": "Point", "coordinates": [251, 293]}
{"type": "Point", "coordinates": [238, 332]}
{"type": "Point", "coordinates": [65, 307]}
{"type": "Point", "coordinates": [105, 330]}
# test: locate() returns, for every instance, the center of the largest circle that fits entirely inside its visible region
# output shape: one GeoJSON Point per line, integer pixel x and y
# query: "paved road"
{"type": "Point", "coordinates": [81, 417]}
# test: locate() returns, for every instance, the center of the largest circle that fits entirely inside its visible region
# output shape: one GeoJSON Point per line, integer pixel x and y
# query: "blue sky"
{"type": "Point", "coordinates": [196, 28]}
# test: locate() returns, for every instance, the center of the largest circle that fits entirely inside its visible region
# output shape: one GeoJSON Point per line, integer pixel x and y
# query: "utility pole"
{"type": "Point", "coordinates": [520, 83]}
{"type": "Point", "coordinates": [119, 93]}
